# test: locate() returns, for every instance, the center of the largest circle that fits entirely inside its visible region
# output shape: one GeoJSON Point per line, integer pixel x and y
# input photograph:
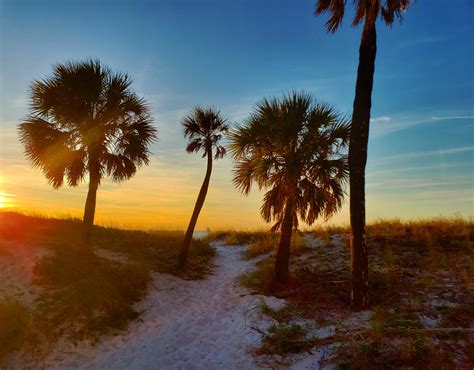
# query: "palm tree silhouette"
{"type": "Point", "coordinates": [84, 119]}
{"type": "Point", "coordinates": [294, 147]}
{"type": "Point", "coordinates": [367, 11]}
{"type": "Point", "coordinates": [204, 128]}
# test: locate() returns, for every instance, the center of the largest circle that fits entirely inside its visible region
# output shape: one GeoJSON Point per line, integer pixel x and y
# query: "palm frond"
{"type": "Point", "coordinates": [119, 167]}
{"type": "Point", "coordinates": [367, 11]}
{"type": "Point", "coordinates": [48, 149]}
{"type": "Point", "coordinates": [205, 128]}
{"type": "Point", "coordinates": [273, 203]}
{"type": "Point", "coordinates": [295, 148]}
{"type": "Point", "coordinates": [76, 167]}
{"type": "Point", "coordinates": [394, 8]}
{"type": "Point", "coordinates": [85, 117]}
{"type": "Point", "coordinates": [360, 11]}
{"type": "Point", "coordinates": [243, 175]}
{"type": "Point", "coordinates": [336, 10]}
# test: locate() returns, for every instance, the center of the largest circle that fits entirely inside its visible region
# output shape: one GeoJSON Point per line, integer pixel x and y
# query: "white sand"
{"type": "Point", "coordinates": [16, 271]}
{"type": "Point", "coordinates": [204, 324]}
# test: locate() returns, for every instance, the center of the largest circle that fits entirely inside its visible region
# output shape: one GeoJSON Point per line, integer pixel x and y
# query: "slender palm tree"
{"type": "Point", "coordinates": [294, 148]}
{"type": "Point", "coordinates": [367, 11]}
{"type": "Point", "coordinates": [204, 129]}
{"type": "Point", "coordinates": [85, 119]}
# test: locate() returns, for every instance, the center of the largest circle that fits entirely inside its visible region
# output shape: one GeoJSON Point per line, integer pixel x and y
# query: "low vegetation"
{"type": "Point", "coordinates": [85, 295]}
{"type": "Point", "coordinates": [269, 244]}
{"type": "Point", "coordinates": [14, 326]}
{"type": "Point", "coordinates": [284, 339]}
{"type": "Point", "coordinates": [87, 292]}
{"type": "Point", "coordinates": [258, 242]}
{"type": "Point", "coordinates": [421, 291]}
{"type": "Point", "coordinates": [420, 284]}
{"type": "Point", "coordinates": [262, 278]}
{"type": "Point", "coordinates": [233, 237]}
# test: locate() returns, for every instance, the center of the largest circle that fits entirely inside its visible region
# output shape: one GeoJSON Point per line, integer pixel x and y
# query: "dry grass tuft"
{"type": "Point", "coordinates": [233, 237]}
{"type": "Point", "coordinates": [421, 290]}
{"type": "Point", "coordinates": [85, 295]}
{"type": "Point", "coordinates": [14, 326]}
{"type": "Point", "coordinates": [86, 292]}
{"type": "Point", "coordinates": [283, 339]}
{"type": "Point", "coordinates": [269, 244]}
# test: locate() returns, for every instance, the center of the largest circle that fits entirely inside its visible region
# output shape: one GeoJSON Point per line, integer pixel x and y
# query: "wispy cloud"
{"type": "Point", "coordinates": [421, 183]}
{"type": "Point", "coordinates": [7, 195]}
{"type": "Point", "coordinates": [385, 125]}
{"type": "Point", "coordinates": [428, 153]}
{"type": "Point", "coordinates": [383, 119]}
{"type": "Point", "coordinates": [405, 169]}
{"type": "Point", "coordinates": [419, 187]}
{"type": "Point", "coordinates": [423, 40]}
{"type": "Point", "coordinates": [438, 118]}
{"type": "Point", "coordinates": [448, 151]}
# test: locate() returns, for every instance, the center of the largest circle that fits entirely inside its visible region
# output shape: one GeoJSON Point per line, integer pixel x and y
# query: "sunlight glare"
{"type": "Point", "coordinates": [6, 200]}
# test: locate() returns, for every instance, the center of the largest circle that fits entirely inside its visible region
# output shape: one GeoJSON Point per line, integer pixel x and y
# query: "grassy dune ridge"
{"type": "Point", "coordinates": [421, 286]}
{"type": "Point", "coordinates": [79, 292]}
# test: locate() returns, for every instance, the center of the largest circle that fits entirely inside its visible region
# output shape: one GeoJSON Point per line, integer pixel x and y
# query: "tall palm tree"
{"type": "Point", "coordinates": [204, 129]}
{"type": "Point", "coordinates": [85, 119]}
{"type": "Point", "coordinates": [367, 11]}
{"type": "Point", "coordinates": [294, 148]}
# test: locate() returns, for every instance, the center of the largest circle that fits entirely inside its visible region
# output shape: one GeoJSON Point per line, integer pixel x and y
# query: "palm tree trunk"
{"type": "Point", "coordinates": [89, 209]}
{"type": "Point", "coordinates": [197, 209]}
{"type": "Point", "coordinates": [282, 261]}
{"type": "Point", "coordinates": [357, 161]}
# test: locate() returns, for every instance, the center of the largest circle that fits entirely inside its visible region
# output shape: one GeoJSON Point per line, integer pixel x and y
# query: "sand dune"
{"type": "Point", "coordinates": [204, 324]}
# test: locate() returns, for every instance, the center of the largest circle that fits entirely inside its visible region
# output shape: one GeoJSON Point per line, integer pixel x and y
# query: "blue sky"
{"type": "Point", "coordinates": [229, 54]}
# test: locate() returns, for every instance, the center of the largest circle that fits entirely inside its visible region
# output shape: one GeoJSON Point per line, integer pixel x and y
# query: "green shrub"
{"type": "Point", "coordinates": [262, 278]}
{"type": "Point", "coordinates": [285, 338]}
{"type": "Point", "coordinates": [87, 295]}
{"type": "Point", "coordinates": [269, 243]}
{"type": "Point", "coordinates": [87, 291]}
{"type": "Point", "coordinates": [14, 326]}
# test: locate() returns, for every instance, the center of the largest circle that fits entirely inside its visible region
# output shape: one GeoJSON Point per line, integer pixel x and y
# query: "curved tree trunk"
{"type": "Point", "coordinates": [282, 261]}
{"type": "Point", "coordinates": [197, 209]}
{"type": "Point", "coordinates": [357, 161]}
{"type": "Point", "coordinates": [89, 209]}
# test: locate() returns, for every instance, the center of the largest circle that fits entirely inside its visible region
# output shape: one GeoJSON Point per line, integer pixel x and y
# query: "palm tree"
{"type": "Point", "coordinates": [294, 147]}
{"type": "Point", "coordinates": [204, 128]}
{"type": "Point", "coordinates": [366, 11]}
{"type": "Point", "coordinates": [84, 119]}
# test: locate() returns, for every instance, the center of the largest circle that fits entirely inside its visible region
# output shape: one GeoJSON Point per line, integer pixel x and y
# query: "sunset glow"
{"type": "Point", "coordinates": [6, 200]}
{"type": "Point", "coordinates": [221, 184]}
{"type": "Point", "coordinates": [411, 166]}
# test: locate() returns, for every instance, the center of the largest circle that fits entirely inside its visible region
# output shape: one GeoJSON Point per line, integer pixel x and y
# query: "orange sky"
{"type": "Point", "coordinates": [421, 147]}
{"type": "Point", "coordinates": [162, 195]}
{"type": "Point", "coordinates": [159, 196]}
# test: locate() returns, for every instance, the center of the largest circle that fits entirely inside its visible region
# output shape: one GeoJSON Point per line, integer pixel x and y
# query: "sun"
{"type": "Point", "coordinates": [6, 200]}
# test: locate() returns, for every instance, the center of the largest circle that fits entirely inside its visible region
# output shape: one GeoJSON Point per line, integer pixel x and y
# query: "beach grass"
{"type": "Point", "coordinates": [421, 291]}
{"type": "Point", "coordinates": [88, 291]}
{"type": "Point", "coordinates": [14, 326]}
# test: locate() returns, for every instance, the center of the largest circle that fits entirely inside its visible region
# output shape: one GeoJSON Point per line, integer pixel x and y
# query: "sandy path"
{"type": "Point", "coordinates": [16, 271]}
{"type": "Point", "coordinates": [201, 324]}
